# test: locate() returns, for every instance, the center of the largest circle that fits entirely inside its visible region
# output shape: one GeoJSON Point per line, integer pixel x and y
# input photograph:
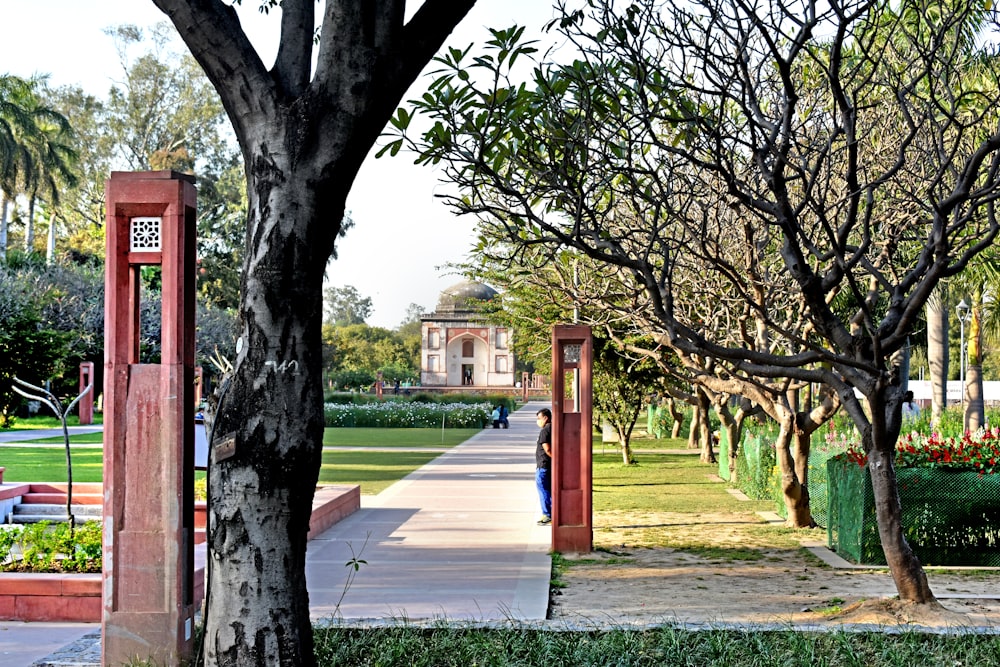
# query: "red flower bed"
{"type": "Point", "coordinates": [978, 451]}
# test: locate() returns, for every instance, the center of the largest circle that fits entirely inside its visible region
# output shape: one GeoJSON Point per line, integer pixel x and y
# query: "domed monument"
{"type": "Point", "coordinates": [458, 347]}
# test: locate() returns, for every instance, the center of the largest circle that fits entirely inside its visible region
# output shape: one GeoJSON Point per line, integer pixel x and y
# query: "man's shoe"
{"type": "Point", "coordinates": [544, 521]}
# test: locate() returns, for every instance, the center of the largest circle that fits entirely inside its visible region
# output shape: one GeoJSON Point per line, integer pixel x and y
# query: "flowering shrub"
{"type": "Point", "coordinates": [397, 414]}
{"type": "Point", "coordinates": [978, 451]}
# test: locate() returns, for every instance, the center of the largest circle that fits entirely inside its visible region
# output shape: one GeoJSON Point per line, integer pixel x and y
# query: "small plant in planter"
{"type": "Point", "coordinates": [47, 547]}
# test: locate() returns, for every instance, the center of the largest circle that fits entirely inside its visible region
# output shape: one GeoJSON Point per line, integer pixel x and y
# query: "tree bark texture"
{"type": "Point", "coordinates": [678, 416]}
{"type": "Point", "coordinates": [907, 574]}
{"type": "Point", "coordinates": [793, 489]}
{"type": "Point", "coordinates": [304, 134]}
{"type": "Point", "coordinates": [704, 427]}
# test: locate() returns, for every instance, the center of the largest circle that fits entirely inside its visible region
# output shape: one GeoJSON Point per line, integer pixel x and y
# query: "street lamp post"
{"type": "Point", "coordinates": [964, 312]}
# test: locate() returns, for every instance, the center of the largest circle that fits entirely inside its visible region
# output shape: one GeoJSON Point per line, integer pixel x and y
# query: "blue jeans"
{"type": "Point", "coordinates": [543, 480]}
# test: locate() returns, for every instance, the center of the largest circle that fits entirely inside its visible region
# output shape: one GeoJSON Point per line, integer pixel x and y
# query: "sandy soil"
{"type": "Point", "coordinates": [626, 583]}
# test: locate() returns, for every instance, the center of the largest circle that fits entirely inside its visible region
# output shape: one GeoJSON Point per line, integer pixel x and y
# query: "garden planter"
{"type": "Point", "coordinates": [77, 597]}
{"type": "Point", "coordinates": [951, 516]}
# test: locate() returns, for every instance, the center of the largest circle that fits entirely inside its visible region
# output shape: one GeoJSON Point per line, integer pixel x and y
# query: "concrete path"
{"type": "Point", "coordinates": [454, 540]}
{"type": "Point", "coordinates": [17, 436]}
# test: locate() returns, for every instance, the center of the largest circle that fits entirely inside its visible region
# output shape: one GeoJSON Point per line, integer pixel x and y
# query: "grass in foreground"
{"type": "Point", "coordinates": [443, 647]}
{"type": "Point", "coordinates": [40, 421]}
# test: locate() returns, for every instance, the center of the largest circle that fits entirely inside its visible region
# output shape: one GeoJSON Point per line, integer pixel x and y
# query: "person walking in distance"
{"type": "Point", "coordinates": [543, 464]}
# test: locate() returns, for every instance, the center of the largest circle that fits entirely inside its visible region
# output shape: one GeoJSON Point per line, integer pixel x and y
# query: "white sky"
{"type": "Point", "coordinates": [402, 236]}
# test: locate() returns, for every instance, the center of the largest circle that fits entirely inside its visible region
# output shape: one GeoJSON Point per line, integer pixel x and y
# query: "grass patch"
{"type": "Point", "coordinates": [397, 437]}
{"type": "Point", "coordinates": [662, 482]}
{"type": "Point", "coordinates": [40, 421]}
{"type": "Point", "coordinates": [643, 441]}
{"type": "Point", "coordinates": [374, 471]}
{"type": "Point", "coordinates": [447, 647]}
{"type": "Point", "coordinates": [48, 464]}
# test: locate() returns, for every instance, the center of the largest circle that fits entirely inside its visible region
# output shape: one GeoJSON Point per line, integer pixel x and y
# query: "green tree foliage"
{"type": "Point", "coordinates": [30, 348]}
{"type": "Point", "coordinates": [367, 349]}
{"type": "Point", "coordinates": [622, 383]}
{"type": "Point", "coordinates": [344, 306]}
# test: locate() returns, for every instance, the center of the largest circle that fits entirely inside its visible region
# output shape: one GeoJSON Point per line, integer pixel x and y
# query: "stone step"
{"type": "Point", "coordinates": [56, 498]}
{"type": "Point", "coordinates": [29, 508]}
{"type": "Point", "coordinates": [37, 518]}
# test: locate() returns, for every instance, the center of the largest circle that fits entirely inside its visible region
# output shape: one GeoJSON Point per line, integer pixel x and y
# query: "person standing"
{"type": "Point", "coordinates": [543, 464]}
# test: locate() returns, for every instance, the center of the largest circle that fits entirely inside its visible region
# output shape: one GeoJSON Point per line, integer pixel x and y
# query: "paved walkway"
{"type": "Point", "coordinates": [22, 435]}
{"type": "Point", "coordinates": [454, 540]}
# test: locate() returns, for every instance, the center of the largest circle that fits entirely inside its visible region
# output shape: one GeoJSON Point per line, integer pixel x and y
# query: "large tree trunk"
{"type": "Point", "coordinates": [678, 416]}
{"type": "Point", "coordinates": [732, 427]}
{"type": "Point", "coordinates": [793, 489]}
{"type": "Point", "coordinates": [937, 353]}
{"type": "Point", "coordinates": [908, 575]}
{"type": "Point", "coordinates": [261, 498]}
{"type": "Point", "coordinates": [704, 433]}
{"type": "Point", "coordinates": [304, 127]}
{"type": "Point", "coordinates": [625, 441]}
{"type": "Point", "coordinates": [695, 428]}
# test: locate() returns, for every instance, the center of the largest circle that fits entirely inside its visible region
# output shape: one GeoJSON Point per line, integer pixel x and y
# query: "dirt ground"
{"type": "Point", "coordinates": [626, 583]}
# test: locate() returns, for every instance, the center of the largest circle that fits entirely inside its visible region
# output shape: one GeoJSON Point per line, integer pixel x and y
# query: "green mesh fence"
{"type": "Point", "coordinates": [724, 455]}
{"type": "Point", "coordinates": [755, 465]}
{"type": "Point", "coordinates": [950, 516]}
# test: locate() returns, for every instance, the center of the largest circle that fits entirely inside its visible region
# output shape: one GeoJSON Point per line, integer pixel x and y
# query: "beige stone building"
{"type": "Point", "coordinates": [459, 348]}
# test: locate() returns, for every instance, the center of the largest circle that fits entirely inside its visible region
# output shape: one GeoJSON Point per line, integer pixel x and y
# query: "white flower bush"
{"type": "Point", "coordinates": [398, 414]}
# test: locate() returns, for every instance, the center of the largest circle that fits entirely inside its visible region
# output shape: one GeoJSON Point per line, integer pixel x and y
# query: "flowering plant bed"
{"type": "Point", "coordinates": [978, 451]}
{"type": "Point", "coordinates": [951, 515]}
{"type": "Point", "coordinates": [399, 414]}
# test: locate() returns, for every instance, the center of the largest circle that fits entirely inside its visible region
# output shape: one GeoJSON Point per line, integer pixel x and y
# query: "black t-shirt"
{"type": "Point", "coordinates": [543, 460]}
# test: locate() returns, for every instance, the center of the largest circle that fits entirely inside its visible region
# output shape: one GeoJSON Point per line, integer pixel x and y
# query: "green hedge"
{"type": "Point", "coordinates": [404, 414]}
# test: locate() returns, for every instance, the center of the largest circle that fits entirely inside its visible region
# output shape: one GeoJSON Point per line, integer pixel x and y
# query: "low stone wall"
{"type": "Point", "coordinates": [77, 597]}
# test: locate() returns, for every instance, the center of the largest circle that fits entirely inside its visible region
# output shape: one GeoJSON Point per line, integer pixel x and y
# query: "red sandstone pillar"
{"type": "Point", "coordinates": [572, 460]}
{"type": "Point", "coordinates": [149, 423]}
{"type": "Point", "coordinates": [86, 405]}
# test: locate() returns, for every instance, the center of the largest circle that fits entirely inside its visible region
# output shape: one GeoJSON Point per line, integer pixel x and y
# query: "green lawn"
{"type": "Point", "coordinates": [373, 470]}
{"type": "Point", "coordinates": [28, 423]}
{"type": "Point", "coordinates": [48, 464]}
{"type": "Point", "coordinates": [661, 482]}
{"type": "Point", "coordinates": [397, 437]}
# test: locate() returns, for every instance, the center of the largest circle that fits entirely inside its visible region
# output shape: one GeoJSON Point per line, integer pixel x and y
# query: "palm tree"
{"type": "Point", "coordinates": [978, 284]}
{"type": "Point", "coordinates": [53, 158]}
{"type": "Point", "coordinates": [16, 164]}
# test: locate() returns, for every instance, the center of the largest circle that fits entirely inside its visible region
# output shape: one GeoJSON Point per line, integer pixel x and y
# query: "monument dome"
{"type": "Point", "coordinates": [462, 297]}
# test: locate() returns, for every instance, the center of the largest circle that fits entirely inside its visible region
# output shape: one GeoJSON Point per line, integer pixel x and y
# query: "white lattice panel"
{"type": "Point", "coordinates": [145, 235]}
